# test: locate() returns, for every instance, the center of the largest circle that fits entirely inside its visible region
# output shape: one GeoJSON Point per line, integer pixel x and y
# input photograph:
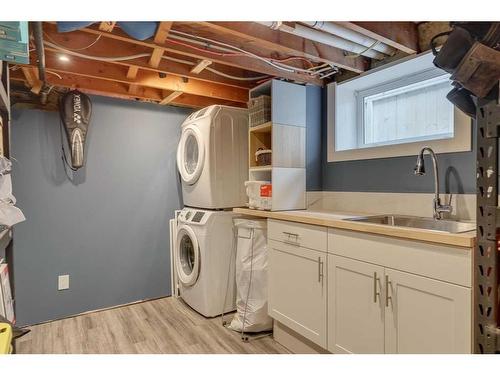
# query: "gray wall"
{"type": "Point", "coordinates": [457, 171]}
{"type": "Point", "coordinates": [314, 177]}
{"type": "Point", "coordinates": [108, 228]}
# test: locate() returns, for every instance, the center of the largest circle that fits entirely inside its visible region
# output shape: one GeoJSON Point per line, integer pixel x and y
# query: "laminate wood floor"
{"type": "Point", "coordinates": [165, 325]}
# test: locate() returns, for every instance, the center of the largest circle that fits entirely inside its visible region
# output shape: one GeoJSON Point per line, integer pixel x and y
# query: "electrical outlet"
{"type": "Point", "coordinates": [63, 282]}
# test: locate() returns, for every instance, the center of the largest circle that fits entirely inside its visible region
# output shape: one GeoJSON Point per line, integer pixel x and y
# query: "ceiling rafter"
{"type": "Point", "coordinates": [111, 47]}
{"type": "Point", "coordinates": [244, 62]}
{"type": "Point", "coordinates": [253, 34]}
{"type": "Point", "coordinates": [112, 72]}
{"type": "Point", "coordinates": [400, 35]}
{"type": "Point", "coordinates": [120, 90]}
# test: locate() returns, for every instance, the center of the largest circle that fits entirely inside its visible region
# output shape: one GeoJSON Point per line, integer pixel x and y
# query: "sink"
{"type": "Point", "coordinates": [447, 226]}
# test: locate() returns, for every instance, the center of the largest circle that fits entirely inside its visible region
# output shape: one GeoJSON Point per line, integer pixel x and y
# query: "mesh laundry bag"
{"type": "Point", "coordinates": [251, 277]}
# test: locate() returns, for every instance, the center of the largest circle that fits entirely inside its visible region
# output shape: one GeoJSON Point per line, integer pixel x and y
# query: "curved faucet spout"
{"type": "Point", "coordinates": [419, 170]}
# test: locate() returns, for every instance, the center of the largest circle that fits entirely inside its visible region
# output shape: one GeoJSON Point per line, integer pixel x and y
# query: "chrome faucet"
{"type": "Point", "coordinates": [420, 171]}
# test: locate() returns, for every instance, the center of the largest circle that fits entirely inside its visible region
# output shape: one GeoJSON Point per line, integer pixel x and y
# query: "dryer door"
{"type": "Point", "coordinates": [187, 255]}
{"type": "Point", "coordinates": [190, 155]}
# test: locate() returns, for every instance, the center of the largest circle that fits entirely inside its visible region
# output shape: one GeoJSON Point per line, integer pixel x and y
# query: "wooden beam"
{"type": "Point", "coordinates": [242, 62]}
{"type": "Point", "coordinates": [171, 97]}
{"type": "Point", "coordinates": [400, 35]}
{"type": "Point", "coordinates": [31, 75]}
{"type": "Point", "coordinates": [133, 89]}
{"type": "Point", "coordinates": [118, 73]}
{"type": "Point", "coordinates": [107, 26]}
{"type": "Point", "coordinates": [155, 58]}
{"type": "Point", "coordinates": [132, 72]}
{"type": "Point", "coordinates": [113, 47]}
{"type": "Point", "coordinates": [162, 32]}
{"type": "Point", "coordinates": [120, 90]}
{"type": "Point", "coordinates": [256, 38]}
{"type": "Point", "coordinates": [201, 66]}
{"type": "Point", "coordinates": [160, 37]}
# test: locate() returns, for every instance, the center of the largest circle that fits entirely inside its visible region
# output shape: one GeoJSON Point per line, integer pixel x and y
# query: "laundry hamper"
{"type": "Point", "coordinates": [251, 277]}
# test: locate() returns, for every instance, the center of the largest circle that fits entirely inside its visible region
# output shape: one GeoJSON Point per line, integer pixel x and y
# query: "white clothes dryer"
{"type": "Point", "coordinates": [204, 260]}
{"type": "Point", "coordinates": [212, 157]}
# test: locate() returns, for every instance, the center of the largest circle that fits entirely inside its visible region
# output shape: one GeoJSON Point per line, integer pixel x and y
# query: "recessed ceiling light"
{"type": "Point", "coordinates": [63, 58]}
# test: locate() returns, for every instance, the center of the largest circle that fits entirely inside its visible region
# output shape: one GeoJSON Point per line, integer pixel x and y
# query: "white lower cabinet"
{"type": "Point", "coordinates": [372, 309]}
{"type": "Point", "coordinates": [355, 309]}
{"type": "Point", "coordinates": [424, 315]}
{"type": "Point", "coordinates": [297, 289]}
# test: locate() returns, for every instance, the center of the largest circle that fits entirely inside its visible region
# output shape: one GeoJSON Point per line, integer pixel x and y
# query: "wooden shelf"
{"type": "Point", "coordinates": [266, 168]}
{"type": "Point", "coordinates": [262, 128]}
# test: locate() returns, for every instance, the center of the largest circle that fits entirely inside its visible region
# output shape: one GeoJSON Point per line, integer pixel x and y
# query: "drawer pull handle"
{"type": "Point", "coordinates": [320, 270]}
{"type": "Point", "coordinates": [387, 296]}
{"type": "Point", "coordinates": [292, 238]}
{"type": "Point", "coordinates": [376, 293]}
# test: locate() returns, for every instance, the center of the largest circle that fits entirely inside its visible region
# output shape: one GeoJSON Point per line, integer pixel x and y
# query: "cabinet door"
{"type": "Point", "coordinates": [355, 306]}
{"type": "Point", "coordinates": [426, 316]}
{"type": "Point", "coordinates": [288, 103]}
{"type": "Point", "coordinates": [297, 289]}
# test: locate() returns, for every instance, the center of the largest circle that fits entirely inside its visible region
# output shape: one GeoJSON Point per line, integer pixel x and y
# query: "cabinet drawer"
{"type": "Point", "coordinates": [441, 262]}
{"type": "Point", "coordinates": [298, 234]}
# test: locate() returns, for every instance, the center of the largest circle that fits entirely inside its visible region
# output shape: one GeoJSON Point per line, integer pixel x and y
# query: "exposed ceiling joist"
{"type": "Point", "coordinates": [132, 72]}
{"type": "Point", "coordinates": [120, 90]}
{"type": "Point", "coordinates": [251, 34]}
{"type": "Point", "coordinates": [200, 66]}
{"type": "Point", "coordinates": [162, 32]}
{"type": "Point", "coordinates": [400, 35]}
{"type": "Point", "coordinates": [108, 47]}
{"type": "Point", "coordinates": [171, 97]}
{"type": "Point", "coordinates": [118, 73]}
{"type": "Point", "coordinates": [107, 26]}
{"type": "Point", "coordinates": [155, 58]}
{"type": "Point", "coordinates": [31, 75]}
{"type": "Point", "coordinates": [242, 62]}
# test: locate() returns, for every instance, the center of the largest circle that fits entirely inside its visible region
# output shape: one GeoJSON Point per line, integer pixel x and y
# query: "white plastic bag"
{"type": "Point", "coordinates": [251, 277]}
{"type": "Point", "coordinates": [9, 214]}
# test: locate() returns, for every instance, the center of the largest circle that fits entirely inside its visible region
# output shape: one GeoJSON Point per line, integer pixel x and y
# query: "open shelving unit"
{"type": "Point", "coordinates": [285, 136]}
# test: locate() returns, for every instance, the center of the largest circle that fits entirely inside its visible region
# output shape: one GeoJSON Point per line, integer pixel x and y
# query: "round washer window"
{"type": "Point", "coordinates": [187, 256]}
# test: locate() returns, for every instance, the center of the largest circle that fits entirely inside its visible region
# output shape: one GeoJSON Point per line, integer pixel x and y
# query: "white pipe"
{"type": "Point", "coordinates": [329, 39]}
{"type": "Point", "coordinates": [353, 36]}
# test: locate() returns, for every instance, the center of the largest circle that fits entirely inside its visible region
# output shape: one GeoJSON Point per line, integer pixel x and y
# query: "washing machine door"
{"type": "Point", "coordinates": [190, 154]}
{"type": "Point", "coordinates": [187, 256]}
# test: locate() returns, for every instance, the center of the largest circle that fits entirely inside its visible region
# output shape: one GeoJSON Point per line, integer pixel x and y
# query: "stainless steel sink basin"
{"type": "Point", "coordinates": [448, 226]}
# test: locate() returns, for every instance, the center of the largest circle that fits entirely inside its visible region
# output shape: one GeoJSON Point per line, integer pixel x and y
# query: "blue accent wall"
{"type": "Point", "coordinates": [457, 171]}
{"type": "Point", "coordinates": [108, 229]}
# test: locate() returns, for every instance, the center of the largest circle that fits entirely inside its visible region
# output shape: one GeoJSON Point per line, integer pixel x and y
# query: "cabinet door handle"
{"type": "Point", "coordinates": [376, 293]}
{"type": "Point", "coordinates": [320, 270]}
{"type": "Point", "coordinates": [387, 296]}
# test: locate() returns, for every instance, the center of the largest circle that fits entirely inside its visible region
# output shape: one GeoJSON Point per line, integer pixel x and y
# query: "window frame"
{"type": "Point", "coordinates": [460, 142]}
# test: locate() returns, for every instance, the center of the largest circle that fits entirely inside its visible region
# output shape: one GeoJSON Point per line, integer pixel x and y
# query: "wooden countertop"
{"type": "Point", "coordinates": [333, 219]}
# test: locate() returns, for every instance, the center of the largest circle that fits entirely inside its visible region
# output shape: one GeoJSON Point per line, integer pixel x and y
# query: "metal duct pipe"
{"type": "Point", "coordinates": [322, 37]}
{"type": "Point", "coordinates": [38, 36]}
{"type": "Point", "coordinates": [353, 36]}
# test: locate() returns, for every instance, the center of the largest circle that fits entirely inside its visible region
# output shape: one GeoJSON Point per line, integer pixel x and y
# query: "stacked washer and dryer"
{"type": "Point", "coordinates": [212, 159]}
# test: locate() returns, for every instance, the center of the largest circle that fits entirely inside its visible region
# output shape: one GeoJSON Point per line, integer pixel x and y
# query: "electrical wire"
{"type": "Point", "coordinates": [131, 57]}
{"type": "Point", "coordinates": [277, 64]}
{"type": "Point", "coordinates": [75, 49]}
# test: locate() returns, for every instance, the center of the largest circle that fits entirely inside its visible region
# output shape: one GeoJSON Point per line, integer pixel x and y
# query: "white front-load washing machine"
{"type": "Point", "coordinates": [212, 157]}
{"type": "Point", "coordinates": [204, 260]}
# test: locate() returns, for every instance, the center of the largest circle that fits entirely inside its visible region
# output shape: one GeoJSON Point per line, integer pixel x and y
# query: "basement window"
{"type": "Point", "coordinates": [395, 111]}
